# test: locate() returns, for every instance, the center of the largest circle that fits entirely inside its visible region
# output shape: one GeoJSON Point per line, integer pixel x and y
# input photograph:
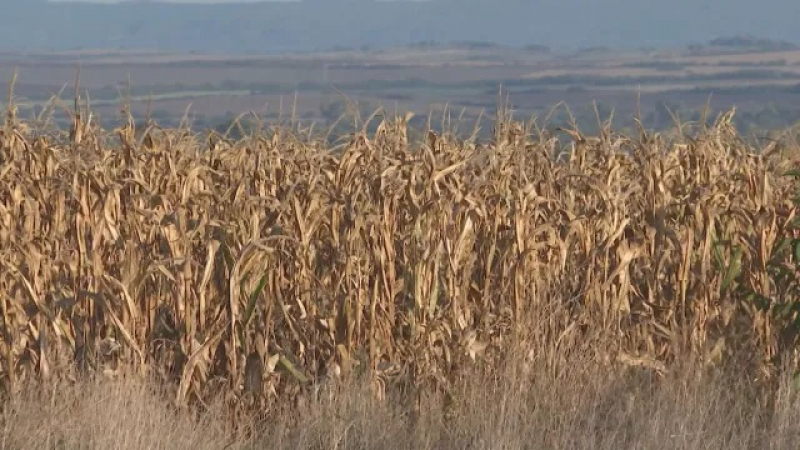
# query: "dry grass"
{"type": "Point", "coordinates": [102, 415]}
{"type": "Point", "coordinates": [581, 408]}
{"type": "Point", "coordinates": [257, 273]}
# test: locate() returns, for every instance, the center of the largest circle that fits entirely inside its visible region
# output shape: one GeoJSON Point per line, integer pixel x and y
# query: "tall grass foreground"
{"type": "Point", "coordinates": [261, 267]}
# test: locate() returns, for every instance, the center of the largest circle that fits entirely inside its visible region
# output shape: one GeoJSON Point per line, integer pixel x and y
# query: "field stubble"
{"type": "Point", "coordinates": [261, 275]}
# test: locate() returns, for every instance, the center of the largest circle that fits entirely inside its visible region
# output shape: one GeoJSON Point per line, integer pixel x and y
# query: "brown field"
{"type": "Point", "coordinates": [413, 78]}
{"type": "Point", "coordinates": [389, 293]}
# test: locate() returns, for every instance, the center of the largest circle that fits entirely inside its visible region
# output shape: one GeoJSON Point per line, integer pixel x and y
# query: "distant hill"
{"type": "Point", "coordinates": [741, 44]}
{"type": "Point", "coordinates": [312, 25]}
{"type": "Point", "coordinates": [748, 41]}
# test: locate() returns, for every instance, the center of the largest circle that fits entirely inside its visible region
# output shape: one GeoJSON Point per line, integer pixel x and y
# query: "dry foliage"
{"type": "Point", "coordinates": [260, 268]}
{"type": "Point", "coordinates": [584, 407]}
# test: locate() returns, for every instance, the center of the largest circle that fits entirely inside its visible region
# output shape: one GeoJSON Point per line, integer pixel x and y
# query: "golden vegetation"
{"type": "Point", "coordinates": [261, 268]}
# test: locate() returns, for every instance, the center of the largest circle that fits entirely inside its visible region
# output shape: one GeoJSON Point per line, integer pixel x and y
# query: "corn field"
{"type": "Point", "coordinates": [263, 266]}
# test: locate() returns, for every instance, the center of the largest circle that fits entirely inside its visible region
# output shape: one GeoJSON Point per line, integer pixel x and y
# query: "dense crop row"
{"type": "Point", "coordinates": [263, 266]}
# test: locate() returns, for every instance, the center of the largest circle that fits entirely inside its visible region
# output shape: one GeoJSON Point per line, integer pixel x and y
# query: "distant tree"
{"type": "Point", "coordinates": [538, 48]}
{"type": "Point", "coordinates": [424, 44]}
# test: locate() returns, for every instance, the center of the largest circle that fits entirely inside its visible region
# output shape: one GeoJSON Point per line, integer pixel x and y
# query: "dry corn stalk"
{"type": "Point", "coordinates": [384, 254]}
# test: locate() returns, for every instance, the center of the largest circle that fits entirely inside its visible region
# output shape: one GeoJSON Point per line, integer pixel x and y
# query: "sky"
{"type": "Point", "coordinates": [176, 1]}
{"type": "Point", "coordinates": [567, 24]}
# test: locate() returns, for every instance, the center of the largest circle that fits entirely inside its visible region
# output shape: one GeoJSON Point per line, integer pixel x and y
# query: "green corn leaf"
{"type": "Point", "coordinates": [251, 302]}
{"type": "Point", "coordinates": [734, 269]}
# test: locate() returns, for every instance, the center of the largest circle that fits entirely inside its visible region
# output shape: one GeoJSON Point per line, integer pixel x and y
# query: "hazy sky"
{"type": "Point", "coordinates": [176, 1]}
{"type": "Point", "coordinates": [566, 24]}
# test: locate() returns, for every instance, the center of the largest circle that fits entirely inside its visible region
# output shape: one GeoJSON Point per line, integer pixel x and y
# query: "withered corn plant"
{"type": "Point", "coordinates": [261, 267]}
{"type": "Point", "coordinates": [772, 287]}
